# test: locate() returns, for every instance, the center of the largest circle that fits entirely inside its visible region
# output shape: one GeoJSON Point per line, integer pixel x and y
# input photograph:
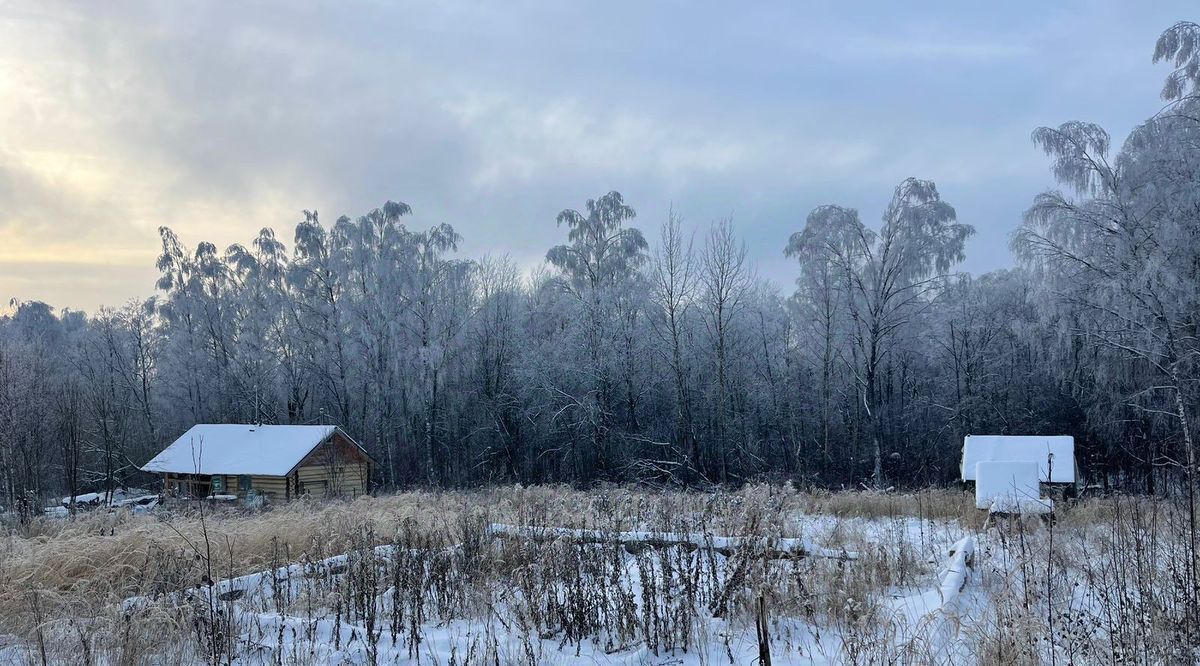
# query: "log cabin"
{"type": "Point", "coordinates": [280, 462]}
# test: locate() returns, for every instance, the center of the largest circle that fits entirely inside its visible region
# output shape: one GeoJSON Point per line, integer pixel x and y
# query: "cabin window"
{"type": "Point", "coordinates": [218, 485]}
{"type": "Point", "coordinates": [244, 482]}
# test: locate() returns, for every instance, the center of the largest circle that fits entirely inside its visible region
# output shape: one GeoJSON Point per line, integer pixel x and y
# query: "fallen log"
{"type": "Point", "coordinates": [782, 548]}
{"type": "Point", "coordinates": [954, 576]}
{"type": "Point", "coordinates": [945, 620]}
{"type": "Point", "coordinates": [260, 584]}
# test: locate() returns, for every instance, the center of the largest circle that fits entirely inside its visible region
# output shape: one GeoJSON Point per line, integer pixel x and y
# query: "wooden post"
{"type": "Point", "coordinates": [764, 636]}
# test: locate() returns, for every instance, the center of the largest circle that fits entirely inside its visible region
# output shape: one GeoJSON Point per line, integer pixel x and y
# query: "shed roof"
{"type": "Point", "coordinates": [234, 448]}
{"type": "Point", "coordinates": [1015, 480]}
{"type": "Point", "coordinates": [1032, 448]}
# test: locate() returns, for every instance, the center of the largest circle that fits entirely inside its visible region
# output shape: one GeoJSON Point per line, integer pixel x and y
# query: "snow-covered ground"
{"type": "Point", "coordinates": [834, 590]}
{"type": "Point", "coordinates": [268, 628]}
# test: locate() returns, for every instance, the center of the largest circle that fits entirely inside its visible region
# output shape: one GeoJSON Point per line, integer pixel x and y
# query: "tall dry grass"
{"type": "Point", "coordinates": [61, 582]}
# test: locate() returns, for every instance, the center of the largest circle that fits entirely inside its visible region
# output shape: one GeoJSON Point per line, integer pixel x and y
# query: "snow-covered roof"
{"type": "Point", "coordinates": [268, 450]}
{"type": "Point", "coordinates": [1033, 448]}
{"type": "Point", "coordinates": [1011, 481]}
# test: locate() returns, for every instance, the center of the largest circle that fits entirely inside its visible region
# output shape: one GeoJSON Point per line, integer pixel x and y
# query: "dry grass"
{"type": "Point", "coordinates": [121, 554]}
{"type": "Point", "coordinates": [931, 503]}
{"type": "Point", "coordinates": [96, 559]}
{"type": "Point", "coordinates": [61, 581]}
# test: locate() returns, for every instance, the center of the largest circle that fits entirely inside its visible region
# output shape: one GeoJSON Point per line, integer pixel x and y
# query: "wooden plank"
{"type": "Point", "coordinates": [349, 480]}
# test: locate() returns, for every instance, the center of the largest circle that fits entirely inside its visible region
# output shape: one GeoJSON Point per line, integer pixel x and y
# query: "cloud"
{"type": "Point", "coordinates": [924, 46]}
{"type": "Point", "coordinates": [520, 143]}
{"type": "Point", "coordinates": [220, 120]}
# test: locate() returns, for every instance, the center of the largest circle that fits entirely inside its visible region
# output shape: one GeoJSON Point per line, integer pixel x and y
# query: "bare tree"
{"type": "Point", "coordinates": [726, 282]}
{"type": "Point", "coordinates": [673, 283]}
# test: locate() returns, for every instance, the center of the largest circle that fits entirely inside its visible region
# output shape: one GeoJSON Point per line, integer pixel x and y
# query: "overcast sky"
{"type": "Point", "coordinates": [218, 118]}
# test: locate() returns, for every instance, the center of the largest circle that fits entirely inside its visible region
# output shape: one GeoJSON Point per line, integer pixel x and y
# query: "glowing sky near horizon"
{"type": "Point", "coordinates": [218, 119]}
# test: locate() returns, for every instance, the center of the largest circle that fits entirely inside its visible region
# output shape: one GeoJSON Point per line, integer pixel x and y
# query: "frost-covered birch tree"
{"type": "Point", "coordinates": [594, 268]}
{"type": "Point", "coordinates": [887, 276]}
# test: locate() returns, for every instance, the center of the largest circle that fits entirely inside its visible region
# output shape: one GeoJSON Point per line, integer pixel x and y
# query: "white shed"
{"type": "Point", "coordinates": [1054, 454]}
{"type": "Point", "coordinates": [1007, 483]}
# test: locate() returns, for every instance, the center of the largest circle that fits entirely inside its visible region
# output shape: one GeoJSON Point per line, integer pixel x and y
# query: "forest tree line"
{"type": "Point", "coordinates": [662, 359]}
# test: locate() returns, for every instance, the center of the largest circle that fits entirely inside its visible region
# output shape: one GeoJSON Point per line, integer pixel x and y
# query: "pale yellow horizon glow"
{"type": "Point", "coordinates": [84, 187]}
{"type": "Point", "coordinates": [219, 119]}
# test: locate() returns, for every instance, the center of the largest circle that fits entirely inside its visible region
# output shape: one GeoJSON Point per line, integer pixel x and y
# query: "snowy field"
{"type": "Point", "coordinates": [554, 576]}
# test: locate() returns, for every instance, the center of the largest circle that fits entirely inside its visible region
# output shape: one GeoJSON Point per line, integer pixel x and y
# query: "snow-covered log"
{"type": "Point", "coordinates": [944, 621]}
{"type": "Point", "coordinates": [261, 583]}
{"type": "Point", "coordinates": [958, 568]}
{"type": "Point", "coordinates": [783, 548]}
